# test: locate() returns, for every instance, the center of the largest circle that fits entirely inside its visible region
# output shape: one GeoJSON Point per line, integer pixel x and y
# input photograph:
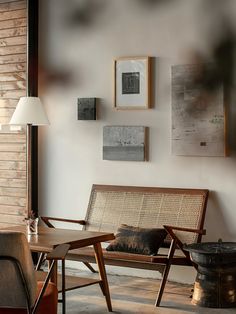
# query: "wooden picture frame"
{"type": "Point", "coordinates": [132, 82]}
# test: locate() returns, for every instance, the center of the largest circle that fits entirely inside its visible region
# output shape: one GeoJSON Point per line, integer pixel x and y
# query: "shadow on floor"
{"type": "Point", "coordinates": [135, 295]}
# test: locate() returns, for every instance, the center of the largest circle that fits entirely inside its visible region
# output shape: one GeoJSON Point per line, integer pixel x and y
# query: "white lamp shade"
{"type": "Point", "coordinates": [29, 110]}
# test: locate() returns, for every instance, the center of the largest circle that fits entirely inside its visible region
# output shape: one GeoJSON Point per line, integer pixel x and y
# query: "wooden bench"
{"type": "Point", "coordinates": [180, 211]}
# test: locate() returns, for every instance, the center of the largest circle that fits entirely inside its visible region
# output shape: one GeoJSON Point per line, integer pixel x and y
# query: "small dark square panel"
{"type": "Point", "coordinates": [130, 83]}
{"type": "Point", "coordinates": [86, 108]}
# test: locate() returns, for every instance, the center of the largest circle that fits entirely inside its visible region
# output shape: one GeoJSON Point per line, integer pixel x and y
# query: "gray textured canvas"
{"type": "Point", "coordinates": [125, 143]}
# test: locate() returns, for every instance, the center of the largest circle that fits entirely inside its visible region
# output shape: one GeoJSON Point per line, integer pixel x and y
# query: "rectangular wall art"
{"type": "Point", "coordinates": [87, 109]}
{"type": "Point", "coordinates": [132, 83]}
{"type": "Point", "coordinates": [198, 118]}
{"type": "Point", "coordinates": [126, 143]}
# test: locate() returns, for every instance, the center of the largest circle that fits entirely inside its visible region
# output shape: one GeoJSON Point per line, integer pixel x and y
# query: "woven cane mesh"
{"type": "Point", "coordinates": [109, 209]}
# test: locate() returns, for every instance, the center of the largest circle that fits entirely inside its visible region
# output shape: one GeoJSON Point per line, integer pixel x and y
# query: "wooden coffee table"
{"type": "Point", "coordinates": [48, 238]}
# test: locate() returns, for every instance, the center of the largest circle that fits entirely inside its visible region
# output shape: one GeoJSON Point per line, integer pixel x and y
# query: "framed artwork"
{"type": "Point", "coordinates": [125, 143]}
{"type": "Point", "coordinates": [87, 109]}
{"type": "Point", "coordinates": [132, 83]}
{"type": "Point", "coordinates": [198, 119]}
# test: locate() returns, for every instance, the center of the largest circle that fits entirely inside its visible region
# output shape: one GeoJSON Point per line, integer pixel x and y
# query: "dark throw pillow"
{"type": "Point", "coordinates": [137, 240]}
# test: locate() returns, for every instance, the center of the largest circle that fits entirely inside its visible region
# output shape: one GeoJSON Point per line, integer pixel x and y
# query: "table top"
{"type": "Point", "coordinates": [48, 238]}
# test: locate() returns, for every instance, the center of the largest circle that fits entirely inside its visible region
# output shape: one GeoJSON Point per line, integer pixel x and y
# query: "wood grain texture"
{"type": "Point", "coordinates": [12, 147]}
{"type": "Point", "coordinates": [11, 77]}
{"type": "Point", "coordinates": [4, 225]}
{"type": "Point", "coordinates": [13, 174]}
{"type": "Point", "coordinates": [13, 32]}
{"type": "Point", "coordinates": [13, 219]}
{"type": "Point", "coordinates": [13, 183]}
{"type": "Point", "coordinates": [13, 165]}
{"type": "Point", "coordinates": [12, 138]}
{"type": "Point", "coordinates": [14, 5]}
{"type": "Point", "coordinates": [21, 22]}
{"type": "Point", "coordinates": [14, 210]}
{"type": "Point", "coordinates": [6, 112]}
{"type": "Point", "coordinates": [13, 85]}
{"type": "Point", "coordinates": [10, 200]}
{"type": "Point", "coordinates": [10, 156]}
{"type": "Point", "coordinates": [9, 50]}
{"type": "Point", "coordinates": [13, 41]}
{"type": "Point", "coordinates": [21, 57]}
{"type": "Point", "coordinates": [12, 68]}
{"type": "Point", "coordinates": [13, 49]}
{"type": "Point", "coordinates": [15, 192]}
{"type": "Point", "coordinates": [12, 14]}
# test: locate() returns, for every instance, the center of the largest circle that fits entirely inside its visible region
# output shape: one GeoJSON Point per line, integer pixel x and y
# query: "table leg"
{"type": "Point", "coordinates": [63, 288]}
{"type": "Point", "coordinates": [102, 273]}
{"type": "Point", "coordinates": [54, 280]}
{"type": "Point", "coordinates": [54, 273]}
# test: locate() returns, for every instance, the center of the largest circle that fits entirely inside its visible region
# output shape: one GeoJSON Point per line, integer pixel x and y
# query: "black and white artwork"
{"type": "Point", "coordinates": [132, 83]}
{"type": "Point", "coordinates": [87, 109]}
{"type": "Point", "coordinates": [198, 119]}
{"type": "Point", "coordinates": [124, 143]}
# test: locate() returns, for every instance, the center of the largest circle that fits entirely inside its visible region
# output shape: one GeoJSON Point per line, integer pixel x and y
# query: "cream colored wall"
{"type": "Point", "coordinates": [71, 150]}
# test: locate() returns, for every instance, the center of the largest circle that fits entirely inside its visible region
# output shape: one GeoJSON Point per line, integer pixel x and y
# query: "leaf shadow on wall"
{"type": "Point", "coordinates": [87, 13]}
{"type": "Point", "coordinates": [215, 223]}
{"type": "Point", "coordinates": [221, 57]}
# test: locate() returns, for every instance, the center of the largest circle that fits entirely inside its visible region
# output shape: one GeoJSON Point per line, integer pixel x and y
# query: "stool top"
{"type": "Point", "coordinates": [212, 247]}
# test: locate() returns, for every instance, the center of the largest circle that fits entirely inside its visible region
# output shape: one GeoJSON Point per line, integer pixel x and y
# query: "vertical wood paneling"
{"type": "Point", "coordinates": [13, 49]}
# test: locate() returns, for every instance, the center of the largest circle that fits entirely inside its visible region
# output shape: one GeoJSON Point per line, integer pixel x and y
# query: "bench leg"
{"type": "Point", "coordinates": [102, 273]}
{"type": "Point", "coordinates": [166, 272]}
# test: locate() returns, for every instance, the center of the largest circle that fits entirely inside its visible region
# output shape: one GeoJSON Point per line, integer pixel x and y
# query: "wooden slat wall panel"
{"type": "Point", "coordinates": [8, 6]}
{"type": "Point", "coordinates": [12, 41]}
{"type": "Point", "coordinates": [12, 219]}
{"type": "Point", "coordinates": [12, 32]}
{"type": "Point", "coordinates": [11, 77]}
{"type": "Point", "coordinates": [14, 210]}
{"type": "Point", "coordinates": [13, 49]}
{"type": "Point", "coordinates": [21, 58]}
{"type": "Point", "coordinates": [10, 156]}
{"type": "Point", "coordinates": [13, 23]}
{"type": "Point", "coordinates": [13, 85]}
{"type": "Point", "coordinates": [12, 147]}
{"type": "Point", "coordinates": [17, 183]}
{"type": "Point", "coordinates": [17, 67]}
{"type": "Point", "coordinates": [9, 15]}
{"type": "Point", "coordinates": [6, 225]}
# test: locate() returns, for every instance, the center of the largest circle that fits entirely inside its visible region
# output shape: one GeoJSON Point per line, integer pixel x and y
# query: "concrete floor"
{"type": "Point", "coordinates": [135, 295]}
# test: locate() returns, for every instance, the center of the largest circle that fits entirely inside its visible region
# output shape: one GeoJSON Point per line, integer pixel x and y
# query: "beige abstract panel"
{"type": "Point", "coordinates": [198, 118]}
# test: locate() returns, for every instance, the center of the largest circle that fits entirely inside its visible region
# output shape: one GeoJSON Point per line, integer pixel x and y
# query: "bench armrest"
{"type": "Point", "coordinates": [175, 238]}
{"type": "Point", "coordinates": [199, 231]}
{"type": "Point", "coordinates": [47, 219]}
{"type": "Point", "coordinates": [59, 253]}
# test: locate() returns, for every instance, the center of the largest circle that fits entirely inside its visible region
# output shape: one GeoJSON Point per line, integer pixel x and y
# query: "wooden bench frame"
{"type": "Point", "coordinates": [160, 262]}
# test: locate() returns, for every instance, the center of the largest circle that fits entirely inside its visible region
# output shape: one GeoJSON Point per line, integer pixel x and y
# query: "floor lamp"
{"type": "Point", "coordinates": [30, 112]}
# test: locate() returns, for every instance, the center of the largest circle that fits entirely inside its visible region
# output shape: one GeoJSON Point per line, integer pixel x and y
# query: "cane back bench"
{"type": "Point", "coordinates": [180, 211]}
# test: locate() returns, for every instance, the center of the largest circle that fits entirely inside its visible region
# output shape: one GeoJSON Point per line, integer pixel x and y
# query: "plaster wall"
{"type": "Point", "coordinates": [82, 53]}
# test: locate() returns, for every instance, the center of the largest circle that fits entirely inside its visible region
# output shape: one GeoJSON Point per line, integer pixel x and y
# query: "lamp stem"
{"type": "Point", "coordinates": [29, 170]}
